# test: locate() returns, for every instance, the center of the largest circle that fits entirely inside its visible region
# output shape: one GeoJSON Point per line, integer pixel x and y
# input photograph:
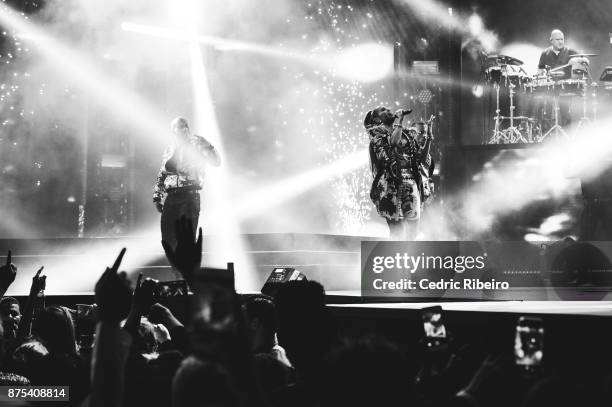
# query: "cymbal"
{"type": "Point", "coordinates": [504, 60]}
{"type": "Point", "coordinates": [583, 55]}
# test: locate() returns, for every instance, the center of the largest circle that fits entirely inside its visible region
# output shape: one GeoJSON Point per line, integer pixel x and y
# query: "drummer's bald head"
{"type": "Point", "coordinates": [557, 39]}
{"type": "Point", "coordinates": [556, 33]}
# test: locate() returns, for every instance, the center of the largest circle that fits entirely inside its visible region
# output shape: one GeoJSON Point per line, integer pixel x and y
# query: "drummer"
{"type": "Point", "coordinates": [556, 55]}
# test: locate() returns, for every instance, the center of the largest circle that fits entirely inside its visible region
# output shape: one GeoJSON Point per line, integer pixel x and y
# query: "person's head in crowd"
{"type": "Point", "coordinates": [218, 325]}
{"type": "Point", "coordinates": [27, 360]}
{"type": "Point", "coordinates": [11, 315]}
{"type": "Point", "coordinates": [366, 372]}
{"type": "Point", "coordinates": [260, 313]}
{"type": "Point", "coordinates": [203, 383]}
{"type": "Point", "coordinates": [55, 328]}
{"type": "Point", "coordinates": [219, 336]}
{"type": "Point", "coordinates": [306, 328]}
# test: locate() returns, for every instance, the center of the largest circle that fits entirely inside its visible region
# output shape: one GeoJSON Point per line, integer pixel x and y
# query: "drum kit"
{"type": "Point", "coordinates": [559, 83]}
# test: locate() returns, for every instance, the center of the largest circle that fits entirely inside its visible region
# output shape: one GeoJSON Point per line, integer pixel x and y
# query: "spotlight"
{"type": "Point", "coordinates": [475, 25]}
{"type": "Point", "coordinates": [365, 63]}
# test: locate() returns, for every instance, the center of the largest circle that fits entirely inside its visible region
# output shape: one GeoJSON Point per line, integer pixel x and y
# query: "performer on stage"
{"type": "Point", "coordinates": [180, 179]}
{"type": "Point", "coordinates": [553, 57]}
{"type": "Point", "coordinates": [395, 159]}
{"type": "Point", "coordinates": [422, 132]}
{"type": "Point", "coordinates": [556, 55]}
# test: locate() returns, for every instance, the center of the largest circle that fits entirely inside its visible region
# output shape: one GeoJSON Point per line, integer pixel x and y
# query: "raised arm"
{"type": "Point", "coordinates": [141, 302]}
{"type": "Point", "coordinates": [398, 127]}
{"type": "Point", "coordinates": [380, 145]}
{"type": "Point", "coordinates": [8, 271]}
{"type": "Point", "coordinates": [38, 286]}
{"type": "Point", "coordinates": [209, 152]}
{"type": "Point", "coordinates": [111, 348]}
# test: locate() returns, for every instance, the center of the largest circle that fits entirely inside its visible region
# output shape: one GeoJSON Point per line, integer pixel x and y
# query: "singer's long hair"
{"type": "Point", "coordinates": [368, 122]}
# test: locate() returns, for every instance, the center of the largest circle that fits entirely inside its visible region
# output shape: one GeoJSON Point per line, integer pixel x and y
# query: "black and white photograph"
{"type": "Point", "coordinates": [236, 203]}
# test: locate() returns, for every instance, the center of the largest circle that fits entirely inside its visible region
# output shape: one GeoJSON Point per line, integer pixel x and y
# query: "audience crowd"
{"type": "Point", "coordinates": [252, 350]}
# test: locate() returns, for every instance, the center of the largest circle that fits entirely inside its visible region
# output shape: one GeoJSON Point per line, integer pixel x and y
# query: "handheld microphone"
{"type": "Point", "coordinates": [405, 112]}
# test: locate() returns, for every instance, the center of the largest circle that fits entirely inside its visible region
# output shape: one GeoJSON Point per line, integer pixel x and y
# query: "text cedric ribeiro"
{"type": "Point", "coordinates": [402, 263]}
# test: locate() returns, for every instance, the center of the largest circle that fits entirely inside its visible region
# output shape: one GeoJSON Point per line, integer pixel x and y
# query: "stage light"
{"type": "Point", "coordinates": [217, 42]}
{"type": "Point", "coordinates": [475, 25]}
{"type": "Point", "coordinates": [143, 119]}
{"type": "Point", "coordinates": [103, 89]}
{"type": "Point", "coordinates": [155, 31]}
{"type": "Point", "coordinates": [228, 244]}
{"type": "Point", "coordinates": [472, 28]}
{"type": "Point", "coordinates": [365, 63]}
{"type": "Point", "coordinates": [425, 95]}
{"type": "Point", "coordinates": [265, 198]}
{"type": "Point", "coordinates": [184, 13]}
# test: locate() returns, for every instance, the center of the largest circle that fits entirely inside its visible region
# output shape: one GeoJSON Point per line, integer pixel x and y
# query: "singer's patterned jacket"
{"type": "Point", "coordinates": [186, 174]}
{"type": "Point", "coordinates": [397, 188]}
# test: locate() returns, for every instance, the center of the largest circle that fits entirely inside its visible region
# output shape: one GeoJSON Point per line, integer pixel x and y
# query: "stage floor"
{"type": "Point", "coordinates": [591, 308]}
{"type": "Point", "coordinates": [73, 265]}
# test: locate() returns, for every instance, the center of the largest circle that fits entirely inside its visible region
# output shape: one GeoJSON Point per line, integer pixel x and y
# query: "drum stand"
{"type": "Point", "coordinates": [557, 129]}
{"type": "Point", "coordinates": [512, 133]}
{"type": "Point", "coordinates": [499, 137]}
{"type": "Point", "coordinates": [584, 120]}
{"type": "Point", "coordinates": [595, 94]}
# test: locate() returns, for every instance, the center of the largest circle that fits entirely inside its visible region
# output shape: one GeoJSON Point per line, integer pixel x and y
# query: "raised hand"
{"type": "Point", "coordinates": [144, 294]}
{"type": "Point", "coordinates": [187, 256]}
{"type": "Point", "coordinates": [113, 293]}
{"type": "Point", "coordinates": [158, 314]}
{"type": "Point", "coordinates": [8, 272]}
{"type": "Point", "coordinates": [161, 333]}
{"type": "Point", "coordinates": [159, 207]}
{"type": "Point", "coordinates": [39, 283]}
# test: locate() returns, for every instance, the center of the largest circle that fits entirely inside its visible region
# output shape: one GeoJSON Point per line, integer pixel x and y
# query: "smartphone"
{"type": "Point", "coordinates": [529, 342]}
{"type": "Point", "coordinates": [84, 325]}
{"type": "Point", "coordinates": [433, 325]}
{"type": "Point", "coordinates": [84, 311]}
{"type": "Point", "coordinates": [175, 288]}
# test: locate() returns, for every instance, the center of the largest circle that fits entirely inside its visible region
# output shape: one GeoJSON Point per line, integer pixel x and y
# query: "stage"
{"type": "Point", "coordinates": [73, 265]}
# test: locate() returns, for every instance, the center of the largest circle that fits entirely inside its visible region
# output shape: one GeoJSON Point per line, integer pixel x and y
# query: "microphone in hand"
{"type": "Point", "coordinates": [402, 112]}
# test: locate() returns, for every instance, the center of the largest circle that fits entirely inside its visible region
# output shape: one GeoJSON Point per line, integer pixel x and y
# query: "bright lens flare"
{"type": "Point", "coordinates": [365, 63]}
{"type": "Point", "coordinates": [265, 198]}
